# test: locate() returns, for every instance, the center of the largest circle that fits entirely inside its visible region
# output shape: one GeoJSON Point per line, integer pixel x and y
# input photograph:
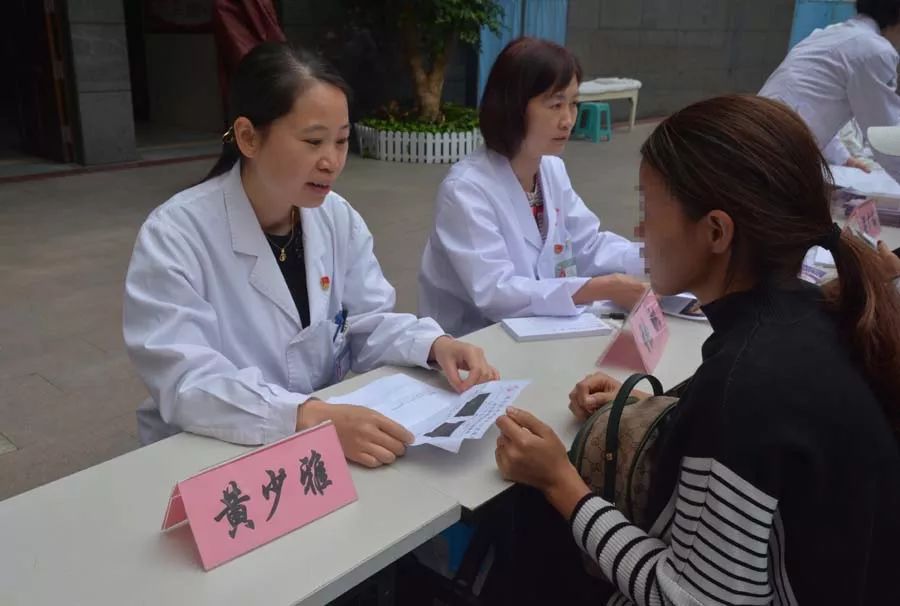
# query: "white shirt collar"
{"type": "Point", "coordinates": [868, 22]}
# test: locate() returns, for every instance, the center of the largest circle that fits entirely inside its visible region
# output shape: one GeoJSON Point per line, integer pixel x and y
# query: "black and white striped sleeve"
{"type": "Point", "coordinates": [715, 551]}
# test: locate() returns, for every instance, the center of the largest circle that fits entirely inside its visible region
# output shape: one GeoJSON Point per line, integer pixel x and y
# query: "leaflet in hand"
{"type": "Point", "coordinates": [435, 415]}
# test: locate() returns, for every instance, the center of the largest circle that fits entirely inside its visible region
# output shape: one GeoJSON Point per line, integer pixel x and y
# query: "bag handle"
{"type": "Point", "coordinates": [612, 429]}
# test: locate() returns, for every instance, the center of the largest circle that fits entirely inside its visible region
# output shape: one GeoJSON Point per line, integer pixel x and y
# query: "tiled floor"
{"type": "Point", "coordinates": [67, 390]}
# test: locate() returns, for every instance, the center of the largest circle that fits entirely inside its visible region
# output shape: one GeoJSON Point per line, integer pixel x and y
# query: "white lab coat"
{"type": "Point", "coordinates": [847, 70]}
{"type": "Point", "coordinates": [485, 260]}
{"type": "Point", "coordinates": [212, 328]}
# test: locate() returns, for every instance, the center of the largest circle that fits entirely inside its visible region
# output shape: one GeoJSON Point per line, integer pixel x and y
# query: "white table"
{"type": "Point", "coordinates": [593, 90]}
{"type": "Point", "coordinates": [471, 476]}
{"type": "Point", "coordinates": [94, 538]}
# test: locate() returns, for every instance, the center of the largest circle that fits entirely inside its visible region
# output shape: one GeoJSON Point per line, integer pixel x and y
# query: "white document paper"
{"type": "Point", "coordinates": [823, 258]}
{"type": "Point", "coordinates": [812, 274]}
{"type": "Point", "coordinates": [684, 306]}
{"type": "Point", "coordinates": [435, 415]}
{"type": "Point", "coordinates": [875, 183]}
{"type": "Point", "coordinates": [537, 328]}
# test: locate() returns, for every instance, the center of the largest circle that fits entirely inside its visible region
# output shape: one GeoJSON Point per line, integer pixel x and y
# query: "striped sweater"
{"type": "Point", "coordinates": [779, 481]}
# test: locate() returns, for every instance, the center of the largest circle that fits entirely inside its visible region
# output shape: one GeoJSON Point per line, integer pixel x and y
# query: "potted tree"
{"type": "Point", "coordinates": [427, 32]}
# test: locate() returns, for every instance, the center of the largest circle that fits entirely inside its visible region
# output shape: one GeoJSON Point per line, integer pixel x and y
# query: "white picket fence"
{"type": "Point", "coordinates": [421, 148]}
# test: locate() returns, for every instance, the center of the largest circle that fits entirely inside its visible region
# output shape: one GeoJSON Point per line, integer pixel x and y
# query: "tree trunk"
{"type": "Point", "coordinates": [428, 84]}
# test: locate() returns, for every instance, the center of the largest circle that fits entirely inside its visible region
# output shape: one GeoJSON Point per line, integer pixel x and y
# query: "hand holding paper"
{"type": "Point", "coordinates": [433, 415]}
{"type": "Point", "coordinates": [453, 356]}
{"type": "Point", "coordinates": [367, 436]}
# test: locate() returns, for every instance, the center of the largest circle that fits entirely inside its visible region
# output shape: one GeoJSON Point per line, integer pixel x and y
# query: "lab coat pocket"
{"type": "Point", "coordinates": [311, 357]}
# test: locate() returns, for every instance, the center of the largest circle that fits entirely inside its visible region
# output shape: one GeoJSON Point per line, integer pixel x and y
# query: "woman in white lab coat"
{"type": "Point", "coordinates": [847, 70]}
{"type": "Point", "coordinates": [511, 237]}
{"type": "Point", "coordinates": [248, 292]}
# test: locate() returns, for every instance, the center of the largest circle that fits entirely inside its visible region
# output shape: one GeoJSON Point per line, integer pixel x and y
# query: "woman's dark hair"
{"type": "Point", "coordinates": [264, 87]}
{"type": "Point", "coordinates": [757, 161]}
{"type": "Point", "coordinates": [526, 67]}
{"type": "Point", "coordinates": [885, 12]}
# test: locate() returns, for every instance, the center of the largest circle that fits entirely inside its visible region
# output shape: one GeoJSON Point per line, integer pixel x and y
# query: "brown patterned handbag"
{"type": "Point", "coordinates": [616, 448]}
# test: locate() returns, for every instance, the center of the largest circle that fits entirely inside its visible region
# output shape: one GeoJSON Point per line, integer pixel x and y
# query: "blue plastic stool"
{"type": "Point", "coordinates": [594, 122]}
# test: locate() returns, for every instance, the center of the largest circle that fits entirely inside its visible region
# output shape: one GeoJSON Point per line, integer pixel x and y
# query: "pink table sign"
{"type": "Point", "coordinates": [246, 502]}
{"type": "Point", "coordinates": [640, 343]}
{"type": "Point", "coordinates": [864, 219]}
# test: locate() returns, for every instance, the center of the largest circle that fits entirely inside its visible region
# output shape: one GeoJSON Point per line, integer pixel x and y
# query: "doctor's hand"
{"type": "Point", "coordinates": [623, 290]}
{"type": "Point", "coordinates": [367, 437]}
{"type": "Point", "coordinates": [857, 163]}
{"type": "Point", "coordinates": [453, 356]}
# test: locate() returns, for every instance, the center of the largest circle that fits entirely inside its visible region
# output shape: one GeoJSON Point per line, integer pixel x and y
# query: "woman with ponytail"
{"type": "Point", "coordinates": [259, 286]}
{"type": "Point", "coordinates": [779, 479]}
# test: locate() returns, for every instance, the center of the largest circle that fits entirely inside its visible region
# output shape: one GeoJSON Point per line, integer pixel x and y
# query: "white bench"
{"type": "Point", "coordinates": [606, 89]}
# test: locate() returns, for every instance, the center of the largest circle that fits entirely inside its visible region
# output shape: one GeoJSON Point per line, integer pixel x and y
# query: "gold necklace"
{"type": "Point", "coordinates": [282, 256]}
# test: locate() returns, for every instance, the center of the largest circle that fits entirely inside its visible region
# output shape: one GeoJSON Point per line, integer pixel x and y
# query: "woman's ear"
{"type": "Point", "coordinates": [246, 137]}
{"type": "Point", "coordinates": [720, 231]}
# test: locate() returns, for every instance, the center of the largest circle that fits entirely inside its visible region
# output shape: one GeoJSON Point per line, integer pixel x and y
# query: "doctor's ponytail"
{"type": "Point", "coordinates": [264, 87]}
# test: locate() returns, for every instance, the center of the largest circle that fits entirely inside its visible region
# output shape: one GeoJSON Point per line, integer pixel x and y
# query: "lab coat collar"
{"type": "Point", "coordinates": [868, 22]}
{"type": "Point", "coordinates": [518, 201]}
{"type": "Point", "coordinates": [247, 238]}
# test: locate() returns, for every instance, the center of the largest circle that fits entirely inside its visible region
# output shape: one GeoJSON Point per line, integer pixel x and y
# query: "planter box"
{"type": "Point", "coordinates": [421, 148]}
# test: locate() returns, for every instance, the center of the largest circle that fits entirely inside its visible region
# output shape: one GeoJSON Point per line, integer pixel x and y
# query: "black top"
{"type": "Point", "coordinates": [780, 402]}
{"type": "Point", "coordinates": [293, 268]}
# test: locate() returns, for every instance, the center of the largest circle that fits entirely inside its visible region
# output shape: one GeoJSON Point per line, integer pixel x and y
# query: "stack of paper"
{"type": "Point", "coordinates": [546, 327]}
{"type": "Point", "coordinates": [434, 415]}
{"type": "Point", "coordinates": [875, 183]}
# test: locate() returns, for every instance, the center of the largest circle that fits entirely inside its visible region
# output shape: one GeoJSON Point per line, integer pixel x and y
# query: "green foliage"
{"type": "Point", "coordinates": [434, 20]}
{"type": "Point", "coordinates": [438, 23]}
{"type": "Point", "coordinates": [456, 118]}
{"type": "Point", "coordinates": [426, 31]}
{"type": "Point", "coordinates": [465, 18]}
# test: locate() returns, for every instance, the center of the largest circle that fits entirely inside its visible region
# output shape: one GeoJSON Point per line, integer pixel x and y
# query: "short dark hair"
{"type": "Point", "coordinates": [526, 68]}
{"type": "Point", "coordinates": [885, 12]}
{"type": "Point", "coordinates": [264, 87]}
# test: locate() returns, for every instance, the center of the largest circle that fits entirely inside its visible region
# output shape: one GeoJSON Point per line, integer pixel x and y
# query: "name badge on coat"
{"type": "Point", "coordinates": [564, 258]}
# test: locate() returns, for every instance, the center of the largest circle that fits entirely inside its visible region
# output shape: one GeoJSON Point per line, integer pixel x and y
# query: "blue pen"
{"type": "Point", "coordinates": [341, 320]}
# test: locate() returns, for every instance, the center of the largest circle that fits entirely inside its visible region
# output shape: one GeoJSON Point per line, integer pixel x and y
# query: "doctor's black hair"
{"type": "Point", "coordinates": [264, 87]}
{"type": "Point", "coordinates": [525, 68]}
{"type": "Point", "coordinates": [885, 12]}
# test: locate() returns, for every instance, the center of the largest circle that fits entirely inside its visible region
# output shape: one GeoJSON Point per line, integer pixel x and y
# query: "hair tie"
{"type": "Point", "coordinates": [831, 241]}
{"type": "Point", "coordinates": [228, 137]}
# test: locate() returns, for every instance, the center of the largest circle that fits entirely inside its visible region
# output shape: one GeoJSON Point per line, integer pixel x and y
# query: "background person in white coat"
{"type": "Point", "coordinates": [239, 304]}
{"type": "Point", "coordinates": [886, 139]}
{"type": "Point", "coordinates": [511, 237]}
{"type": "Point", "coordinates": [847, 70]}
